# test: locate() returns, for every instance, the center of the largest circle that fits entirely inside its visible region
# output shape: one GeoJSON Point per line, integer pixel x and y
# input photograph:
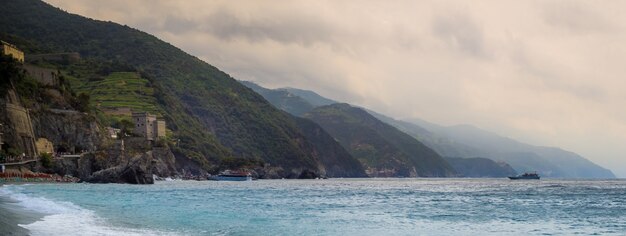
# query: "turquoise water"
{"type": "Point", "coordinates": [328, 207]}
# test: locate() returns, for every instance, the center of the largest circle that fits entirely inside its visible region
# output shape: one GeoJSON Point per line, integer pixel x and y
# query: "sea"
{"type": "Point", "coordinates": [404, 206]}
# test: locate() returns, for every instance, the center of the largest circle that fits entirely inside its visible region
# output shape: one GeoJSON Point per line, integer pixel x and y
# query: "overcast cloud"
{"type": "Point", "coordinates": [543, 72]}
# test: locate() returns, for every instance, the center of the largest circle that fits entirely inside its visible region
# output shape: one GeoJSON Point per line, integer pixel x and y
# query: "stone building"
{"type": "Point", "coordinates": [113, 132]}
{"type": "Point", "coordinates": [11, 50]}
{"type": "Point", "coordinates": [44, 146]}
{"type": "Point", "coordinates": [148, 126]}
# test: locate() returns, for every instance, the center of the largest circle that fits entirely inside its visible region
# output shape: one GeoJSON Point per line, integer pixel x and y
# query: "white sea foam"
{"type": "Point", "coordinates": [65, 218]}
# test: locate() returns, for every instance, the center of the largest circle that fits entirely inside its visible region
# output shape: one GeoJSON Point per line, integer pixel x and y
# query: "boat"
{"type": "Point", "coordinates": [229, 175]}
{"type": "Point", "coordinates": [526, 175]}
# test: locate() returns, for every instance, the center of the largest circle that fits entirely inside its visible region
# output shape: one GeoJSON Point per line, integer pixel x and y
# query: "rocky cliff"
{"type": "Point", "coordinates": [68, 130]}
{"type": "Point", "coordinates": [137, 170]}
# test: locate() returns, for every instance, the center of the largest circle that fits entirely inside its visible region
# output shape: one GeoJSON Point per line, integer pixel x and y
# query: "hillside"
{"type": "Point", "coordinates": [444, 146]}
{"type": "Point", "coordinates": [337, 162]}
{"type": "Point", "coordinates": [478, 167]}
{"type": "Point", "coordinates": [383, 150]}
{"type": "Point", "coordinates": [548, 161]}
{"type": "Point", "coordinates": [288, 98]}
{"type": "Point", "coordinates": [312, 97]}
{"type": "Point", "coordinates": [212, 115]}
{"type": "Point", "coordinates": [282, 99]}
{"type": "Point", "coordinates": [469, 142]}
{"type": "Point", "coordinates": [120, 89]}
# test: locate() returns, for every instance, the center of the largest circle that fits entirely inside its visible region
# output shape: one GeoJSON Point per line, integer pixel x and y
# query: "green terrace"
{"type": "Point", "coordinates": [118, 90]}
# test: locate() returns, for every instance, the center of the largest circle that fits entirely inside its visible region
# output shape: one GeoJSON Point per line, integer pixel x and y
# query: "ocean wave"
{"type": "Point", "coordinates": [66, 218]}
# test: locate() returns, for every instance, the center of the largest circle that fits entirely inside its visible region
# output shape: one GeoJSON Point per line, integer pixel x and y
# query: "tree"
{"type": "Point", "coordinates": [82, 102]}
{"type": "Point", "coordinates": [126, 127]}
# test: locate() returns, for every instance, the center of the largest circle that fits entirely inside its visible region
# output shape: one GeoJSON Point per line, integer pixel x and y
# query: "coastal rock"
{"type": "Point", "coordinates": [164, 162]}
{"type": "Point", "coordinates": [138, 170]}
{"type": "Point", "coordinates": [308, 174]}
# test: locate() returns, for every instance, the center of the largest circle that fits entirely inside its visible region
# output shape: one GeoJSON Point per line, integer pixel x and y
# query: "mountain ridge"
{"type": "Point", "coordinates": [383, 150]}
{"type": "Point", "coordinates": [549, 161]}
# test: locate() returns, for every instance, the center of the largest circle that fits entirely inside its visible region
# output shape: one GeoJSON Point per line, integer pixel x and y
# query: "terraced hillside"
{"type": "Point", "coordinates": [119, 90]}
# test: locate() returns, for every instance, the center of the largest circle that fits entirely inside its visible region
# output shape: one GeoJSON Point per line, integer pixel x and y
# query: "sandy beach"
{"type": "Point", "coordinates": [11, 215]}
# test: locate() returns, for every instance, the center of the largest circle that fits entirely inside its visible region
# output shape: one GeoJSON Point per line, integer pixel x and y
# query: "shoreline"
{"type": "Point", "coordinates": [12, 215]}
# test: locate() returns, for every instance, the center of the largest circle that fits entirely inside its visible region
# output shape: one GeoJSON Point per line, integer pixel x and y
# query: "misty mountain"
{"type": "Point", "coordinates": [480, 167]}
{"type": "Point", "coordinates": [548, 161]}
{"type": "Point", "coordinates": [441, 144]}
{"type": "Point", "coordinates": [282, 99]}
{"type": "Point", "coordinates": [381, 148]}
{"type": "Point", "coordinates": [470, 142]}
{"type": "Point", "coordinates": [312, 97]}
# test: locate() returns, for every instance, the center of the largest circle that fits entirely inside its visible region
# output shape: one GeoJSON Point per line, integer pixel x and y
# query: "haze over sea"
{"type": "Point", "coordinates": [326, 207]}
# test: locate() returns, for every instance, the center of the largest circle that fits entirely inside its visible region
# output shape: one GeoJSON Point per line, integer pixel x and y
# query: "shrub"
{"type": "Point", "coordinates": [46, 160]}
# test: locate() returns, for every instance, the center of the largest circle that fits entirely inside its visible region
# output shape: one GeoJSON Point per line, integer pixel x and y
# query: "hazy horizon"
{"type": "Point", "coordinates": [542, 72]}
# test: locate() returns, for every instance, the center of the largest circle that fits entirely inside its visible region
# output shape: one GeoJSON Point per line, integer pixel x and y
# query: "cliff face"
{"type": "Point", "coordinates": [137, 170]}
{"type": "Point", "coordinates": [129, 161]}
{"type": "Point", "coordinates": [69, 131]}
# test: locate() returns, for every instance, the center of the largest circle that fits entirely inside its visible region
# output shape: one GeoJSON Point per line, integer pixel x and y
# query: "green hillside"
{"type": "Point", "coordinates": [336, 160]}
{"type": "Point", "coordinates": [477, 167]}
{"type": "Point", "coordinates": [383, 150]}
{"type": "Point", "coordinates": [282, 99]}
{"type": "Point", "coordinates": [212, 114]}
{"type": "Point", "coordinates": [120, 89]}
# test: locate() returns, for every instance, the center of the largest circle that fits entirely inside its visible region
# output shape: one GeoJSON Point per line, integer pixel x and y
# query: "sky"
{"type": "Point", "coordinates": [543, 72]}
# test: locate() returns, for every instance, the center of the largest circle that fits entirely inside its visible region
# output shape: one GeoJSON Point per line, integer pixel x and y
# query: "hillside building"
{"type": "Point", "coordinates": [148, 126]}
{"type": "Point", "coordinates": [113, 132]}
{"type": "Point", "coordinates": [11, 50]}
{"type": "Point", "coordinates": [44, 146]}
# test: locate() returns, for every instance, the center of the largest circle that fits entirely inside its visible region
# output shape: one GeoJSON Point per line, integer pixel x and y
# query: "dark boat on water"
{"type": "Point", "coordinates": [533, 175]}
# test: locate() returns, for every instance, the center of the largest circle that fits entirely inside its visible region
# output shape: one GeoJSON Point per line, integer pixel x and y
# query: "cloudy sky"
{"type": "Point", "coordinates": [543, 72]}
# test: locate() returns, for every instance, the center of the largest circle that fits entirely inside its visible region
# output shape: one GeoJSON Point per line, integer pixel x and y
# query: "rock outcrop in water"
{"type": "Point", "coordinates": [138, 170]}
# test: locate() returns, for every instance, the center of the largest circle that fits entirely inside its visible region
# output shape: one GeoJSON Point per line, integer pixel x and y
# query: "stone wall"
{"type": "Point", "coordinates": [44, 76]}
{"type": "Point", "coordinates": [70, 57]}
{"type": "Point", "coordinates": [19, 130]}
{"type": "Point", "coordinates": [160, 129]}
